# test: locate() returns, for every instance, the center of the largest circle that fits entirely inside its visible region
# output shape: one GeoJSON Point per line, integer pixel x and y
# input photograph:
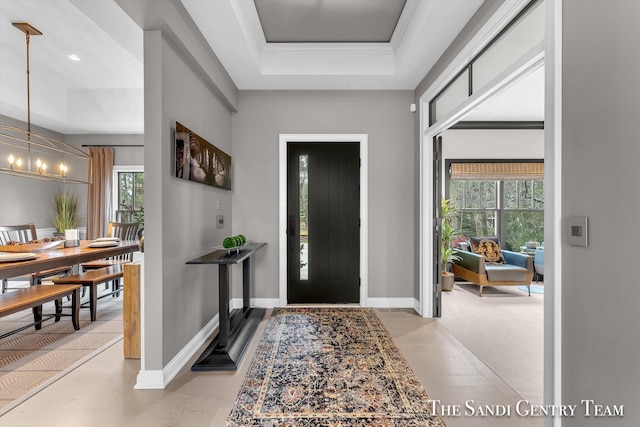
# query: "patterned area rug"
{"type": "Point", "coordinates": [330, 367]}
{"type": "Point", "coordinates": [30, 360]}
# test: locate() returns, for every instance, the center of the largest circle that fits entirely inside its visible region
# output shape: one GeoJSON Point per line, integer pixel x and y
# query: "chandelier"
{"type": "Point", "coordinates": [52, 157]}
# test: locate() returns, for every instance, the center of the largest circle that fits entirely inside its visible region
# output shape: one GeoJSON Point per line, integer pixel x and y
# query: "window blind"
{"type": "Point", "coordinates": [497, 171]}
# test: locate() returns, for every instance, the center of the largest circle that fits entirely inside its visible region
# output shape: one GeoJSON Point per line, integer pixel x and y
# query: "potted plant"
{"type": "Point", "coordinates": [66, 210]}
{"type": "Point", "coordinates": [447, 235]}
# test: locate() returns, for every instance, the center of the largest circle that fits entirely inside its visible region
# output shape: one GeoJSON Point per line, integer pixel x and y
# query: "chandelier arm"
{"type": "Point", "coordinates": [15, 136]}
{"type": "Point", "coordinates": [42, 177]}
{"type": "Point", "coordinates": [53, 144]}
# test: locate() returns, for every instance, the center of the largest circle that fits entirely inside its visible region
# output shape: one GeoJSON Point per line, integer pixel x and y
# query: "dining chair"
{"type": "Point", "coordinates": [26, 233]}
{"type": "Point", "coordinates": [124, 231]}
{"type": "Point", "coordinates": [17, 233]}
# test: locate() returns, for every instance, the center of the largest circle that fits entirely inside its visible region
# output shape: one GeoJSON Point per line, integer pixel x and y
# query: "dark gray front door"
{"type": "Point", "coordinates": [323, 214]}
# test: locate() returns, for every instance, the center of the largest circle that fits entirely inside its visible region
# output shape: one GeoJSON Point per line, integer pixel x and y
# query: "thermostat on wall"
{"type": "Point", "coordinates": [578, 227]}
{"type": "Point", "coordinates": [219, 221]}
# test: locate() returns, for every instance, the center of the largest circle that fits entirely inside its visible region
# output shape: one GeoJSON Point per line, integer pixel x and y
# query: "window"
{"type": "Point", "coordinates": [128, 194]}
{"type": "Point", "coordinates": [510, 208]}
{"type": "Point", "coordinates": [523, 34]}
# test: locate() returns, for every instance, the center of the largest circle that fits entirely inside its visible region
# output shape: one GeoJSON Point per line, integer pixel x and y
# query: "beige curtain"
{"type": "Point", "coordinates": [99, 205]}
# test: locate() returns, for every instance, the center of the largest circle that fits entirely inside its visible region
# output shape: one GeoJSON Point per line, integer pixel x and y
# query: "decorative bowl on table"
{"type": "Point", "coordinates": [233, 244]}
{"type": "Point", "coordinates": [39, 245]}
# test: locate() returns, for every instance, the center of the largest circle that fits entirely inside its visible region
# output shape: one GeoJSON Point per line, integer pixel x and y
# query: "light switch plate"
{"type": "Point", "coordinates": [219, 221]}
{"type": "Point", "coordinates": [578, 229]}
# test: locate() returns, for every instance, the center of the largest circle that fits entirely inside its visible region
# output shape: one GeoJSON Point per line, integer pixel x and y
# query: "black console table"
{"type": "Point", "coordinates": [236, 328]}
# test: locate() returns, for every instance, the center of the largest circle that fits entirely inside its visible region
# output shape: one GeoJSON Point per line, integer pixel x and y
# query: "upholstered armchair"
{"type": "Point", "coordinates": [538, 263]}
{"type": "Point", "coordinates": [517, 270]}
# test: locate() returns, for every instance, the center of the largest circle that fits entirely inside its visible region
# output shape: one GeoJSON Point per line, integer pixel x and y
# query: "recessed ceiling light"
{"type": "Point", "coordinates": [73, 57]}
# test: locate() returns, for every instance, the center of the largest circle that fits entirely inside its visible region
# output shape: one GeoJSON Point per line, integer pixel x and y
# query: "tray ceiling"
{"type": "Point", "coordinates": [263, 45]}
{"type": "Point", "coordinates": [328, 21]}
{"type": "Point", "coordinates": [419, 35]}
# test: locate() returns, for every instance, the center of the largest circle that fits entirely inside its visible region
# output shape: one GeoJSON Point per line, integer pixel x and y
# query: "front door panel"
{"type": "Point", "coordinates": [323, 214]}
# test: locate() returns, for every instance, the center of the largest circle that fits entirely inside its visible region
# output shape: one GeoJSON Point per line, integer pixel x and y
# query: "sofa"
{"type": "Point", "coordinates": [516, 271]}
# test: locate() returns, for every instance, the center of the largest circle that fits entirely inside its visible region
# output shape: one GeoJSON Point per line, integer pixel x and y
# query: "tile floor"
{"type": "Point", "coordinates": [100, 392]}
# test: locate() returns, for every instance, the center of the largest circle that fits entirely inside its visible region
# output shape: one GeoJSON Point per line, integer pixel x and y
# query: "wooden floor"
{"type": "Point", "coordinates": [100, 392]}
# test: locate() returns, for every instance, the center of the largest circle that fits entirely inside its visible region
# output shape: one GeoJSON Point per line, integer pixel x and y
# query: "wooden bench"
{"type": "Point", "coordinates": [92, 279]}
{"type": "Point", "coordinates": [34, 296]}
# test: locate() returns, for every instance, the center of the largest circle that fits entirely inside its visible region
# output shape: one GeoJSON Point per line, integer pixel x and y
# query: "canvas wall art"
{"type": "Point", "coordinates": [199, 161]}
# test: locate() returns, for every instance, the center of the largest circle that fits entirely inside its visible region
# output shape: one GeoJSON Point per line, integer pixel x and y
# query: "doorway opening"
{"type": "Point", "coordinates": [457, 94]}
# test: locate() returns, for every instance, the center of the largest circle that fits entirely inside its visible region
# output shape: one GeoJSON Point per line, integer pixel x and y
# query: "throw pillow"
{"type": "Point", "coordinates": [489, 248]}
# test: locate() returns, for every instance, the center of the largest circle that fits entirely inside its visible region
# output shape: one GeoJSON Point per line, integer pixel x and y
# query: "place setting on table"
{"type": "Point", "coordinates": [13, 251]}
{"type": "Point", "coordinates": [29, 251]}
{"type": "Point", "coordinates": [104, 242]}
{"type": "Point", "coordinates": [18, 251]}
{"type": "Point", "coordinates": [17, 256]}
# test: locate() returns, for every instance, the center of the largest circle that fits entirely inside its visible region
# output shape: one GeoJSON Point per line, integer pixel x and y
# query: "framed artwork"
{"type": "Point", "coordinates": [199, 161]}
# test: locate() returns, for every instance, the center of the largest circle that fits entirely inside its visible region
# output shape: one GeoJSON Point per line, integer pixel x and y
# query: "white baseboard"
{"type": "Point", "coordinates": [416, 306]}
{"type": "Point", "coordinates": [391, 302]}
{"type": "Point", "coordinates": [149, 380]}
{"type": "Point", "coordinates": [256, 302]}
{"type": "Point", "coordinates": [159, 379]}
{"type": "Point", "coordinates": [413, 303]}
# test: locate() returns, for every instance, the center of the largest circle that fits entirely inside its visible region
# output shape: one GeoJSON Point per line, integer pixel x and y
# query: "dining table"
{"type": "Point", "coordinates": [60, 256]}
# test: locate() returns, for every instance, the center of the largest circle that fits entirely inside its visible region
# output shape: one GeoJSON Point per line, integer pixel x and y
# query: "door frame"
{"type": "Point", "coordinates": [500, 19]}
{"type": "Point", "coordinates": [363, 140]}
{"type": "Point", "coordinates": [553, 181]}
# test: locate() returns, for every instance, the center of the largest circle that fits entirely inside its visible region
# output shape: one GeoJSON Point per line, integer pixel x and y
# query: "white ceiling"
{"type": "Point", "coordinates": [103, 92]}
{"type": "Point", "coordinates": [522, 101]}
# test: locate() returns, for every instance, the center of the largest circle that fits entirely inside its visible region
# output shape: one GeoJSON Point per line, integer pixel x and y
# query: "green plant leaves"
{"type": "Point", "coordinates": [66, 204]}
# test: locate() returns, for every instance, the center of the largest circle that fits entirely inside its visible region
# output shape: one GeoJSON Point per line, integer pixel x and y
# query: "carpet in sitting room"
{"type": "Point", "coordinates": [504, 329]}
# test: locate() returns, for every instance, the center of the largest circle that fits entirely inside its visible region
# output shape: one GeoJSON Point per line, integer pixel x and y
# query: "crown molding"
{"type": "Point", "coordinates": [312, 58]}
{"type": "Point", "coordinates": [403, 24]}
{"type": "Point", "coordinates": [249, 21]}
{"type": "Point", "coordinates": [234, 32]}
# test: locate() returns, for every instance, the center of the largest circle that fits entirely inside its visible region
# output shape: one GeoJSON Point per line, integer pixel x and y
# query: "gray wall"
{"type": "Point", "coordinates": [179, 214]}
{"type": "Point", "coordinates": [385, 117]}
{"type": "Point", "coordinates": [601, 178]}
{"type": "Point", "coordinates": [123, 156]}
{"type": "Point", "coordinates": [184, 81]}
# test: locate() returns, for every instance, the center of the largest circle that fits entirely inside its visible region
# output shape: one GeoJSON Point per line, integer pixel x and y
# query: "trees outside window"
{"type": "Point", "coordinates": [129, 198]}
{"type": "Point", "coordinates": [511, 209]}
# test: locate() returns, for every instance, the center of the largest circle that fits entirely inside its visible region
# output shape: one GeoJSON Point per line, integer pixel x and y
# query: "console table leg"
{"type": "Point", "coordinates": [223, 277]}
{"type": "Point", "coordinates": [225, 351]}
{"type": "Point", "coordinates": [246, 284]}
